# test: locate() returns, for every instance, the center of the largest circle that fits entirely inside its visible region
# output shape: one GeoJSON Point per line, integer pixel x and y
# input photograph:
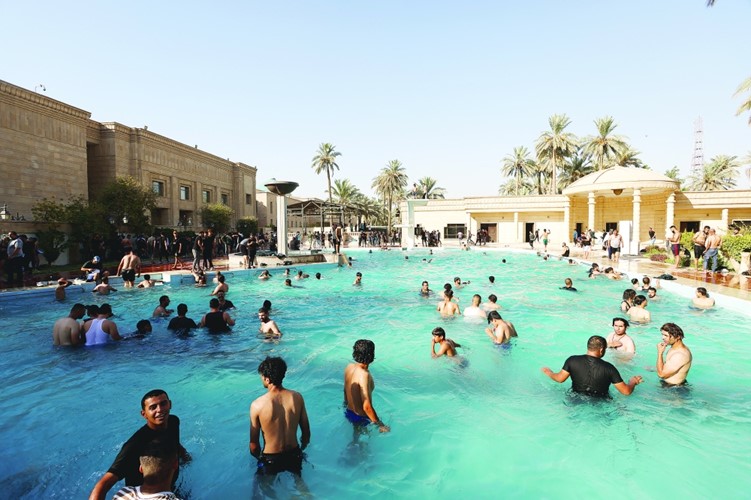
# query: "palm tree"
{"type": "Point", "coordinates": [745, 105]}
{"type": "Point", "coordinates": [674, 173]}
{"type": "Point", "coordinates": [518, 166]}
{"type": "Point", "coordinates": [427, 189]}
{"type": "Point", "coordinates": [325, 160]}
{"type": "Point", "coordinates": [513, 187]}
{"type": "Point", "coordinates": [577, 166]}
{"type": "Point", "coordinates": [628, 157]}
{"type": "Point", "coordinates": [389, 184]}
{"type": "Point", "coordinates": [605, 146]}
{"type": "Point", "coordinates": [717, 175]}
{"type": "Point", "coordinates": [747, 161]}
{"type": "Point", "coordinates": [554, 145]}
{"type": "Point", "coordinates": [540, 173]}
{"type": "Point", "coordinates": [345, 193]}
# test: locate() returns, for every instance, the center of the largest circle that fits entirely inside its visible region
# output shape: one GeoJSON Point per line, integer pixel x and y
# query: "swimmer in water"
{"type": "Point", "coordinates": [359, 385]}
{"type": "Point", "coordinates": [651, 293]}
{"type": "Point", "coordinates": [67, 330]}
{"type": "Point", "coordinates": [568, 285]}
{"type": "Point", "coordinates": [425, 290]}
{"type": "Point", "coordinates": [448, 308]}
{"type": "Point", "coordinates": [446, 347]}
{"type": "Point", "coordinates": [62, 284]}
{"type": "Point", "coordinates": [500, 331]}
{"type": "Point", "coordinates": [639, 313]}
{"type": "Point", "coordinates": [492, 303]}
{"type": "Point", "coordinates": [458, 283]}
{"type": "Point", "coordinates": [474, 311]}
{"type": "Point", "coordinates": [318, 276]}
{"type": "Point", "coordinates": [104, 287]}
{"type": "Point", "coordinates": [491, 280]}
{"type": "Point", "coordinates": [619, 340]}
{"type": "Point", "coordinates": [264, 275]}
{"type": "Point", "coordinates": [268, 326]}
{"type": "Point", "coordinates": [702, 299]}
{"type": "Point", "coordinates": [148, 282]}
{"type": "Point", "coordinates": [358, 279]}
{"type": "Point", "coordinates": [161, 310]}
{"type": "Point", "coordinates": [674, 369]}
{"type": "Point", "coordinates": [221, 286]}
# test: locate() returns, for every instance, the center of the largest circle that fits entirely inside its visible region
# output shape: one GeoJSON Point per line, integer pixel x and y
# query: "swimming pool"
{"type": "Point", "coordinates": [495, 428]}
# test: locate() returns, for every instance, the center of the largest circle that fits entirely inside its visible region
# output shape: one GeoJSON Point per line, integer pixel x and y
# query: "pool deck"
{"type": "Point", "coordinates": [731, 285]}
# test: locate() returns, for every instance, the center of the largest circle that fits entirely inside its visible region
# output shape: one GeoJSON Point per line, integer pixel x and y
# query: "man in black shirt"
{"type": "Point", "coordinates": [590, 374]}
{"type": "Point", "coordinates": [180, 322]}
{"type": "Point", "coordinates": [155, 408]}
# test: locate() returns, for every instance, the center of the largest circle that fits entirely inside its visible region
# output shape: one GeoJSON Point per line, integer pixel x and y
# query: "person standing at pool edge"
{"type": "Point", "coordinates": [359, 385]}
{"type": "Point", "coordinates": [277, 414]}
{"type": "Point", "coordinates": [591, 375]}
{"type": "Point", "coordinates": [155, 408]}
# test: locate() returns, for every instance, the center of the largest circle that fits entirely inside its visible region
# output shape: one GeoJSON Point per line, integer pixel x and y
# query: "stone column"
{"type": "Point", "coordinates": [567, 219]}
{"type": "Point", "coordinates": [636, 226]}
{"type": "Point", "coordinates": [517, 229]}
{"type": "Point", "coordinates": [670, 216]}
{"type": "Point", "coordinates": [725, 220]}
{"type": "Point", "coordinates": [281, 224]}
{"type": "Point", "coordinates": [591, 217]}
{"type": "Point", "coordinates": [173, 191]}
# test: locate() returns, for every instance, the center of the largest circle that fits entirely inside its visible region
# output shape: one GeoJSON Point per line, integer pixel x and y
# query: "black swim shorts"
{"type": "Point", "coordinates": [128, 275]}
{"type": "Point", "coordinates": [270, 464]}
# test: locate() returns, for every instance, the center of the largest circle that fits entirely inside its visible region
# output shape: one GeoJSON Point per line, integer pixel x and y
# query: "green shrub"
{"type": "Point", "coordinates": [734, 245]}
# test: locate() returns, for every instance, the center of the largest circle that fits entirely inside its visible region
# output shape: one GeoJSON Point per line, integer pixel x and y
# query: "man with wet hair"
{"type": "Point", "coordinates": [492, 303]}
{"type": "Point", "coordinates": [425, 290]}
{"type": "Point", "coordinates": [67, 330]}
{"type": "Point", "coordinates": [702, 299]}
{"type": "Point", "coordinates": [638, 313]}
{"type": "Point", "coordinates": [161, 310]}
{"type": "Point", "coordinates": [268, 327]}
{"type": "Point", "coordinates": [474, 310]}
{"type": "Point", "coordinates": [181, 323]}
{"type": "Point", "coordinates": [447, 307]}
{"type": "Point", "coordinates": [673, 370]}
{"type": "Point", "coordinates": [215, 320]}
{"type": "Point", "coordinates": [158, 464]}
{"type": "Point", "coordinates": [619, 339]}
{"type": "Point", "coordinates": [277, 415]}
{"type": "Point", "coordinates": [160, 425]}
{"type": "Point", "coordinates": [446, 347]}
{"type": "Point", "coordinates": [591, 375]}
{"type": "Point", "coordinates": [500, 331]}
{"type": "Point", "coordinates": [359, 385]}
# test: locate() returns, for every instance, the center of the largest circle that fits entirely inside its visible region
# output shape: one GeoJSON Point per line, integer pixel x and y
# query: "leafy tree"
{"type": "Point", "coordinates": [247, 225]}
{"type": "Point", "coordinates": [717, 175]}
{"type": "Point", "coordinates": [513, 187]}
{"type": "Point", "coordinates": [605, 146]}
{"type": "Point", "coordinates": [746, 104]}
{"type": "Point", "coordinates": [344, 191]}
{"type": "Point", "coordinates": [674, 173]}
{"type": "Point", "coordinates": [577, 166]}
{"type": "Point", "coordinates": [553, 146]}
{"type": "Point", "coordinates": [427, 189]}
{"type": "Point", "coordinates": [127, 199]}
{"type": "Point", "coordinates": [628, 157]}
{"type": "Point", "coordinates": [390, 184]}
{"type": "Point", "coordinates": [518, 166]}
{"type": "Point", "coordinates": [52, 242]}
{"type": "Point", "coordinates": [325, 161]}
{"type": "Point", "coordinates": [217, 216]}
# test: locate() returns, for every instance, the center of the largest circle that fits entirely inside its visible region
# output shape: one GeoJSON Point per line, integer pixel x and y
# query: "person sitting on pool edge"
{"type": "Point", "coordinates": [359, 385]}
{"type": "Point", "coordinates": [215, 320]}
{"type": "Point", "coordinates": [448, 308]}
{"type": "Point", "coordinates": [568, 285]}
{"type": "Point", "coordinates": [500, 331]}
{"type": "Point", "coordinates": [155, 408]}
{"type": "Point", "coordinates": [447, 347]}
{"type": "Point", "coordinates": [281, 451]}
{"type": "Point", "coordinates": [674, 370]}
{"type": "Point", "coordinates": [702, 299]}
{"type": "Point", "coordinates": [591, 375]}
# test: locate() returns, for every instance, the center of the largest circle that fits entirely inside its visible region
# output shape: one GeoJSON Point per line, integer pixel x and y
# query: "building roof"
{"type": "Point", "coordinates": [614, 181]}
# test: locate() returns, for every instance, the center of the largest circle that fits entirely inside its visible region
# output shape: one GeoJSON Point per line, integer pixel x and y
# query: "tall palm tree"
{"type": "Point", "coordinates": [427, 189]}
{"type": "Point", "coordinates": [717, 175]}
{"type": "Point", "coordinates": [604, 146]}
{"type": "Point", "coordinates": [628, 157]}
{"type": "Point", "coordinates": [345, 194]}
{"type": "Point", "coordinates": [514, 188]}
{"type": "Point", "coordinates": [325, 160]}
{"type": "Point", "coordinates": [390, 184]}
{"type": "Point", "coordinates": [745, 105]}
{"type": "Point", "coordinates": [518, 166]}
{"type": "Point", "coordinates": [554, 145]}
{"type": "Point", "coordinates": [577, 166]}
{"type": "Point", "coordinates": [747, 161]}
{"type": "Point", "coordinates": [674, 173]}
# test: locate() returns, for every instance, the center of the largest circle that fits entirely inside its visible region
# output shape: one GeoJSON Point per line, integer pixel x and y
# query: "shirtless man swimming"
{"type": "Point", "coordinates": [268, 326]}
{"type": "Point", "coordinates": [500, 331]}
{"type": "Point", "coordinates": [67, 330]}
{"type": "Point", "coordinates": [161, 310]}
{"type": "Point", "coordinates": [277, 415]}
{"type": "Point", "coordinates": [674, 369]}
{"type": "Point", "coordinates": [446, 347]}
{"type": "Point", "coordinates": [619, 339]}
{"type": "Point", "coordinates": [104, 288]}
{"type": "Point", "coordinates": [359, 385]}
{"type": "Point", "coordinates": [702, 299]}
{"type": "Point", "coordinates": [129, 267]}
{"type": "Point", "coordinates": [492, 303]}
{"type": "Point", "coordinates": [447, 308]}
{"type": "Point", "coordinates": [425, 290]}
{"type": "Point", "coordinates": [638, 313]}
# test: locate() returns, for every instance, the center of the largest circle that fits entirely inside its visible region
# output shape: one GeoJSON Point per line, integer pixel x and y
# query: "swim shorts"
{"type": "Point", "coordinates": [698, 251]}
{"type": "Point", "coordinates": [128, 275]}
{"type": "Point", "coordinates": [270, 464]}
{"type": "Point", "coordinates": [357, 420]}
{"type": "Point", "coordinates": [676, 248]}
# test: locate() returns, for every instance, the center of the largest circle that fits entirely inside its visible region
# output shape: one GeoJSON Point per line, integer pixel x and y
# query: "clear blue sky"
{"type": "Point", "coordinates": [447, 87]}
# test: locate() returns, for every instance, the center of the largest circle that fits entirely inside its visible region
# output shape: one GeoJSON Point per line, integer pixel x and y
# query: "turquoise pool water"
{"type": "Point", "coordinates": [495, 428]}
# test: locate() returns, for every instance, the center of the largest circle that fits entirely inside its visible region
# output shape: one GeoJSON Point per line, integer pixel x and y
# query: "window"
{"type": "Point", "coordinates": [206, 196]}
{"type": "Point", "coordinates": [184, 192]}
{"type": "Point", "coordinates": [248, 199]}
{"type": "Point", "coordinates": [690, 226]}
{"type": "Point", "coordinates": [225, 199]}
{"type": "Point", "coordinates": [157, 187]}
{"type": "Point", "coordinates": [451, 230]}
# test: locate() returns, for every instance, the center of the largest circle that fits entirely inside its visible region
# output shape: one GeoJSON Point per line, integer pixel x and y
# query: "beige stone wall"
{"type": "Point", "coordinates": [42, 149]}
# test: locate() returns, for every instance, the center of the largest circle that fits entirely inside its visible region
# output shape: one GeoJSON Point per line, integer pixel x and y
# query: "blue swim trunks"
{"type": "Point", "coordinates": [357, 420]}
